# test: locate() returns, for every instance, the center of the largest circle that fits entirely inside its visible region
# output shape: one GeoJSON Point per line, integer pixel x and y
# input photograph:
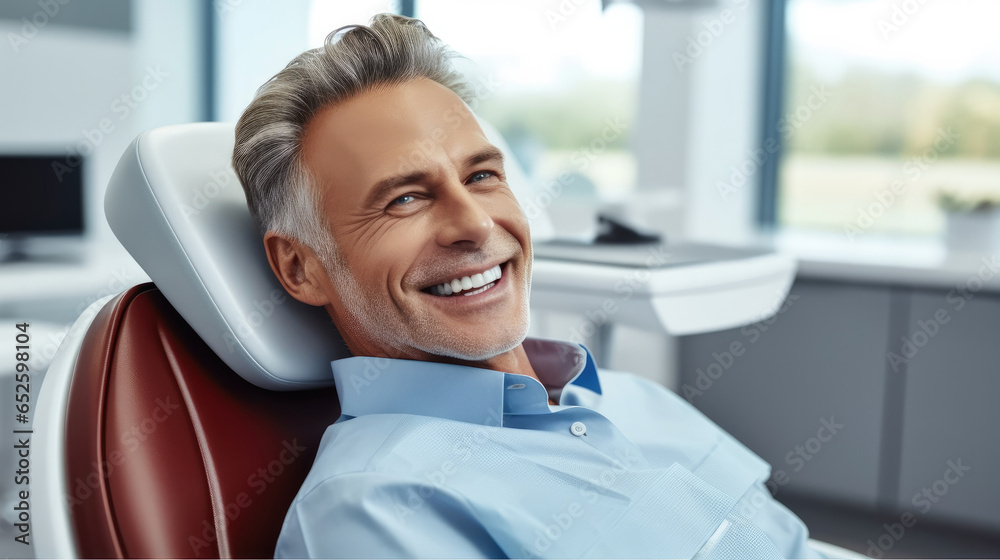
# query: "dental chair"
{"type": "Point", "coordinates": [179, 417]}
{"type": "Point", "coordinates": [187, 393]}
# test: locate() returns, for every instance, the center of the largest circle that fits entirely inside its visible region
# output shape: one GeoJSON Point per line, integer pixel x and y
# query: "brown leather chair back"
{"type": "Point", "coordinates": [169, 452]}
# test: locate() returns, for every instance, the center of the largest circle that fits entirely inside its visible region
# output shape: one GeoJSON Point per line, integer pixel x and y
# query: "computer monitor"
{"type": "Point", "coordinates": [39, 195]}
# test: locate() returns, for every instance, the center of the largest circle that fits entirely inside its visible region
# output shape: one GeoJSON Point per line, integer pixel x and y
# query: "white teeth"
{"type": "Point", "coordinates": [480, 282]}
{"type": "Point", "coordinates": [479, 291]}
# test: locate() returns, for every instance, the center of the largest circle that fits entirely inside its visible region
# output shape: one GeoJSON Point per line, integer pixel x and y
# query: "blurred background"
{"type": "Point", "coordinates": [861, 137]}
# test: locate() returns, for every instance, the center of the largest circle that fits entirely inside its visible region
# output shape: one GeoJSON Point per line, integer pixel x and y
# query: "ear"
{"type": "Point", "coordinates": [297, 267]}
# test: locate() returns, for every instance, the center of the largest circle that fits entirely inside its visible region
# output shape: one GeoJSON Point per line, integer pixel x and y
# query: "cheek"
{"type": "Point", "coordinates": [385, 260]}
{"type": "Point", "coordinates": [506, 211]}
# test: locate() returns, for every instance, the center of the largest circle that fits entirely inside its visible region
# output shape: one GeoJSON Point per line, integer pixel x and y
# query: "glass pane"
{"type": "Point", "coordinates": [551, 76]}
{"type": "Point", "coordinates": [328, 15]}
{"type": "Point", "coordinates": [888, 104]}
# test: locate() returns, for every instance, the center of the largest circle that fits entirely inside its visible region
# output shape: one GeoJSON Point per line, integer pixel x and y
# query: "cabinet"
{"type": "Point", "coordinates": [913, 379]}
{"type": "Point", "coordinates": [950, 413]}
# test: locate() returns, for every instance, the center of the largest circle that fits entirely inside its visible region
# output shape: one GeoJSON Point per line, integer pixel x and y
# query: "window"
{"type": "Point", "coordinates": [887, 104]}
{"type": "Point", "coordinates": [327, 15]}
{"type": "Point", "coordinates": [558, 79]}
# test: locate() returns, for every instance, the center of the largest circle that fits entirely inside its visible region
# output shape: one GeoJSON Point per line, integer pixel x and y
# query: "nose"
{"type": "Point", "coordinates": [464, 223]}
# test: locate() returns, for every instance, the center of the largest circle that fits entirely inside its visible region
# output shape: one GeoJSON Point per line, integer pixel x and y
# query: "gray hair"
{"type": "Point", "coordinates": [353, 59]}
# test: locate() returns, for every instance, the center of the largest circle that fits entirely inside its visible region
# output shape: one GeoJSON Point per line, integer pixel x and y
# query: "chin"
{"type": "Point", "coordinates": [478, 350]}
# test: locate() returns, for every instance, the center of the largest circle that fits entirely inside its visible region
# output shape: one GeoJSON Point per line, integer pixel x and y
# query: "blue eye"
{"type": "Point", "coordinates": [403, 200]}
{"type": "Point", "coordinates": [481, 176]}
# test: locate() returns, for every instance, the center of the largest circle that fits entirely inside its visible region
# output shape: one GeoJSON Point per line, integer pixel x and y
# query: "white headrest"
{"type": "Point", "coordinates": [176, 205]}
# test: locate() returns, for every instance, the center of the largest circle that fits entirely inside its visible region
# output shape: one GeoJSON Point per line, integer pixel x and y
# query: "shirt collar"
{"type": "Point", "coordinates": [367, 385]}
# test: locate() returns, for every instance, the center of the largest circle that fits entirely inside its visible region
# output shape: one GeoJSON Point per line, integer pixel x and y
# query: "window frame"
{"type": "Point", "coordinates": [775, 64]}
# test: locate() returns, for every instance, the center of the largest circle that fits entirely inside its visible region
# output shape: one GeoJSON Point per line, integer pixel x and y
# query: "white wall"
{"type": "Point", "coordinates": [65, 82]}
{"type": "Point", "coordinates": [58, 87]}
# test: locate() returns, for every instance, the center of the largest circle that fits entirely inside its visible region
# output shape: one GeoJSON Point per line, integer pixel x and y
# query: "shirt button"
{"type": "Point", "coordinates": [578, 429]}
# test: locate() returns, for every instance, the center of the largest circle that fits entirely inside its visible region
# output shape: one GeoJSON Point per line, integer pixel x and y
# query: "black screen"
{"type": "Point", "coordinates": [37, 197]}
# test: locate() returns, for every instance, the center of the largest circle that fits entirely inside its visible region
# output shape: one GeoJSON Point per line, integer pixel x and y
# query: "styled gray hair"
{"type": "Point", "coordinates": [354, 59]}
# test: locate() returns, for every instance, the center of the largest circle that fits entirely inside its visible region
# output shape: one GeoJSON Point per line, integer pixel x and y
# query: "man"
{"type": "Point", "coordinates": [380, 198]}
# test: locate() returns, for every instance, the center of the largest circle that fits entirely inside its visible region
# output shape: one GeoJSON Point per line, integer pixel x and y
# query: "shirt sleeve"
{"type": "Point", "coordinates": [784, 528]}
{"type": "Point", "coordinates": [730, 462]}
{"type": "Point", "coordinates": [382, 515]}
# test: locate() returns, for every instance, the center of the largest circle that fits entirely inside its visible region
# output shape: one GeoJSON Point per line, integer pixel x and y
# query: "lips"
{"type": "Point", "coordinates": [468, 285]}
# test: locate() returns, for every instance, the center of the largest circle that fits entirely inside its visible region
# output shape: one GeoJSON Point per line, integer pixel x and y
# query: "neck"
{"type": "Point", "coordinates": [514, 360]}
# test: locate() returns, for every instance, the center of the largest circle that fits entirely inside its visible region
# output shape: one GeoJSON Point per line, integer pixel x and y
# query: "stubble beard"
{"type": "Point", "coordinates": [381, 324]}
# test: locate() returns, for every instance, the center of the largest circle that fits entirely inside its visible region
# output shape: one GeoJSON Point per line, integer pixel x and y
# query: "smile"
{"type": "Point", "coordinates": [468, 285]}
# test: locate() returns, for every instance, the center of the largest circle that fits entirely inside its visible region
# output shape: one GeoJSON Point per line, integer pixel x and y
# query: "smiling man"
{"type": "Point", "coordinates": [430, 254]}
{"type": "Point", "coordinates": [380, 198]}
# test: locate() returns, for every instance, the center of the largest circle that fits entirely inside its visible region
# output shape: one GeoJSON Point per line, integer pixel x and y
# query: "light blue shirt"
{"type": "Point", "coordinates": [440, 460]}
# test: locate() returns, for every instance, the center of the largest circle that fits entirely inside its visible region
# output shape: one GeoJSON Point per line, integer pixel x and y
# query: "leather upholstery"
{"type": "Point", "coordinates": [172, 454]}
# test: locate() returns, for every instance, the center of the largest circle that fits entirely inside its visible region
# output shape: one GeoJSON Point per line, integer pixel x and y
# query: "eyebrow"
{"type": "Point", "coordinates": [486, 154]}
{"type": "Point", "coordinates": [386, 185]}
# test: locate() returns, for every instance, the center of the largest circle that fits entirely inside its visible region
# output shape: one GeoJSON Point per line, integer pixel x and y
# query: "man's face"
{"type": "Point", "coordinates": [417, 200]}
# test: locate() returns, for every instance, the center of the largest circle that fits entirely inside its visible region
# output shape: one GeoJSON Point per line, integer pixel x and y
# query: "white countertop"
{"type": "Point", "coordinates": [903, 261]}
{"type": "Point", "coordinates": [106, 270]}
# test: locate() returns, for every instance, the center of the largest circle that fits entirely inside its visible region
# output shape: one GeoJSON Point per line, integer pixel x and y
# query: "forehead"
{"type": "Point", "coordinates": [391, 130]}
